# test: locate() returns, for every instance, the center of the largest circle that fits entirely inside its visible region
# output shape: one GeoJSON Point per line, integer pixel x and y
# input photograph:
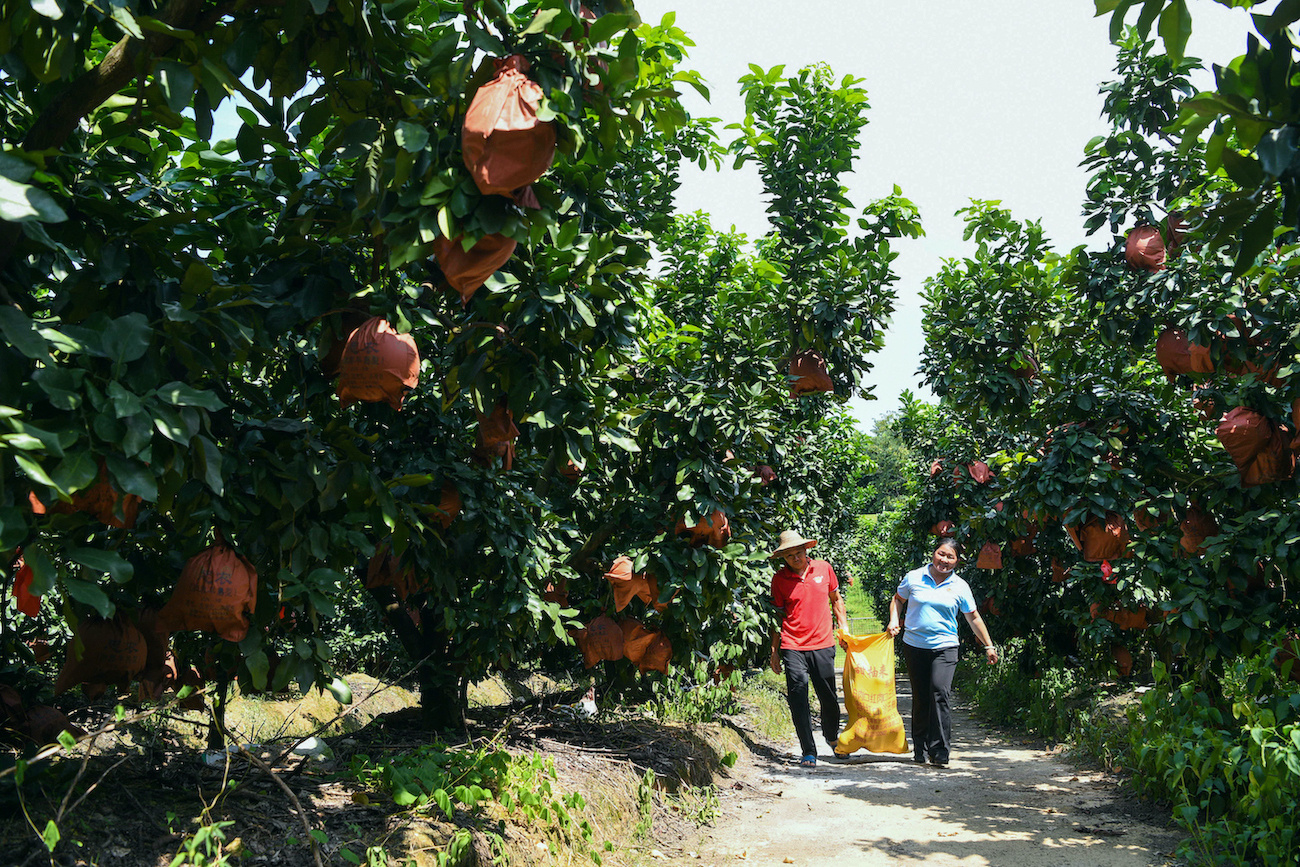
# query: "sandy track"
{"type": "Point", "coordinates": [999, 802]}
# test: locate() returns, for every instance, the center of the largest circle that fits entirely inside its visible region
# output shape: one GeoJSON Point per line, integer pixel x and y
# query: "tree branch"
{"type": "Point", "coordinates": [92, 88]}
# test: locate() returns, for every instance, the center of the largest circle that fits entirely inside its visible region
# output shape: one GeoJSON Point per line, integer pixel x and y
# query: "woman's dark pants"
{"type": "Point", "coordinates": [930, 672]}
{"type": "Point", "coordinates": [817, 667]}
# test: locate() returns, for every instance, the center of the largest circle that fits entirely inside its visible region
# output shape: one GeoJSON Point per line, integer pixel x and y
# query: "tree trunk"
{"type": "Point", "coordinates": [442, 696]}
{"type": "Point", "coordinates": [443, 692]}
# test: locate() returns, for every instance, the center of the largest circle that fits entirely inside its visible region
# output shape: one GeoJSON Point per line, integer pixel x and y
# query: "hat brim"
{"type": "Point", "coordinates": [807, 543]}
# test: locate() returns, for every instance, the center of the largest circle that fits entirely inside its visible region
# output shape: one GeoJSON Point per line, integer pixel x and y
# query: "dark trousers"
{"type": "Point", "coordinates": [817, 667]}
{"type": "Point", "coordinates": [930, 672]}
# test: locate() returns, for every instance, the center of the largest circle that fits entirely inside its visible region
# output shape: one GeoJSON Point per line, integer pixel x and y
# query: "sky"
{"type": "Point", "coordinates": [968, 101]}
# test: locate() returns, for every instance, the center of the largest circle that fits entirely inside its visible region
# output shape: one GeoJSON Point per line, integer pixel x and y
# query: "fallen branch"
{"type": "Point", "coordinates": [293, 799]}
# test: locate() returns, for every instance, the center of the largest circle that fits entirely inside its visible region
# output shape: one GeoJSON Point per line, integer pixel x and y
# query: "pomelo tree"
{"type": "Point", "coordinates": [174, 302]}
{"type": "Point", "coordinates": [1076, 380]}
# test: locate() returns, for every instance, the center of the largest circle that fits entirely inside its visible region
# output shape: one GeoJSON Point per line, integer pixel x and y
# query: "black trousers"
{"type": "Point", "coordinates": [930, 672]}
{"type": "Point", "coordinates": [817, 667]}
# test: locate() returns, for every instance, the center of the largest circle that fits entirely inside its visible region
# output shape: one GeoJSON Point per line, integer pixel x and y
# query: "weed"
{"type": "Point", "coordinates": [645, 803]}
{"type": "Point", "coordinates": [698, 803]}
{"type": "Point", "coordinates": [695, 698]}
{"type": "Point", "coordinates": [376, 856]}
{"type": "Point", "coordinates": [203, 848]}
{"type": "Point", "coordinates": [768, 711]}
{"type": "Point", "coordinates": [449, 779]}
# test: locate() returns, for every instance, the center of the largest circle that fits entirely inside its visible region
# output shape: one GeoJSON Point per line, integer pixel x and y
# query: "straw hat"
{"type": "Point", "coordinates": [790, 539]}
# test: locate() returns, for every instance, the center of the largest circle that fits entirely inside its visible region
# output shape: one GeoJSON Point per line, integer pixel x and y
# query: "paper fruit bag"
{"type": "Point", "coordinates": [869, 696]}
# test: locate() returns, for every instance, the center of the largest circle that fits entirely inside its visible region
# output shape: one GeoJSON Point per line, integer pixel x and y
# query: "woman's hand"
{"type": "Point", "coordinates": [893, 629]}
{"type": "Point", "coordinates": [991, 654]}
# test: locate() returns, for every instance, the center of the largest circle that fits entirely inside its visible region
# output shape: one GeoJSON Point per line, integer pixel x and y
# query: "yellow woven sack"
{"type": "Point", "coordinates": [869, 696]}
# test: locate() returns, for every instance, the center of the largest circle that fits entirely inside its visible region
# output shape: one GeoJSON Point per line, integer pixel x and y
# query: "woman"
{"type": "Point", "coordinates": [933, 595]}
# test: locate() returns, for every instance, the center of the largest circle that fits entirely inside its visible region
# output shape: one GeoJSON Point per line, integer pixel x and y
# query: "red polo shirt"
{"type": "Point", "coordinates": [806, 602]}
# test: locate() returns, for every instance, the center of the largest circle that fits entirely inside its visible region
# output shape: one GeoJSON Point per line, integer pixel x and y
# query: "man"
{"type": "Point", "coordinates": [804, 644]}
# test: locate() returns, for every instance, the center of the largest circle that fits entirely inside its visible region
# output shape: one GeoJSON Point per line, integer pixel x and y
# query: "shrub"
{"type": "Point", "coordinates": [1230, 764]}
{"type": "Point", "coordinates": [1054, 705]}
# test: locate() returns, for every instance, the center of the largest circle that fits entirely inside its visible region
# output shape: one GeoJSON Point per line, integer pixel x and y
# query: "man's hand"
{"type": "Point", "coordinates": [776, 661]}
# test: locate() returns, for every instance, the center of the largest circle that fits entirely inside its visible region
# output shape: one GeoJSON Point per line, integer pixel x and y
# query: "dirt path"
{"type": "Point", "coordinates": [998, 803]}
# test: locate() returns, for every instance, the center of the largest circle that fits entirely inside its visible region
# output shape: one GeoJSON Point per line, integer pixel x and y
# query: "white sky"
{"type": "Point", "coordinates": [968, 101]}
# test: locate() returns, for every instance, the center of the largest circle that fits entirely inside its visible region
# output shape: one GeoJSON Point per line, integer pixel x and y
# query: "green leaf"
{"type": "Point", "coordinates": [443, 800]}
{"type": "Point", "coordinates": [177, 83]}
{"type": "Point", "coordinates": [50, 836]}
{"type": "Point", "coordinates": [259, 667]}
{"type": "Point", "coordinates": [541, 21]}
{"type": "Point", "coordinates": [26, 442]}
{"type": "Point", "coordinates": [52, 10]}
{"type": "Point", "coordinates": [1117, 19]}
{"type": "Point", "coordinates": [1255, 238]}
{"type": "Point", "coordinates": [127, 338]}
{"type": "Point", "coordinates": [1175, 27]}
{"type": "Point", "coordinates": [103, 561]}
{"type": "Point", "coordinates": [61, 341]}
{"type": "Point", "coordinates": [34, 471]}
{"type": "Point", "coordinates": [76, 472]}
{"type": "Point", "coordinates": [20, 203]}
{"type": "Point", "coordinates": [584, 311]}
{"type": "Point", "coordinates": [13, 527]}
{"type": "Point", "coordinates": [126, 20]}
{"type": "Point", "coordinates": [20, 332]}
{"type": "Point", "coordinates": [139, 434]}
{"type": "Point", "coordinates": [1243, 169]}
{"type": "Point", "coordinates": [134, 477]}
{"type": "Point", "coordinates": [125, 404]}
{"type": "Point", "coordinates": [485, 41]}
{"type": "Point", "coordinates": [14, 168]}
{"type": "Point", "coordinates": [604, 27]}
{"type": "Point", "coordinates": [89, 594]}
{"type": "Point", "coordinates": [171, 425]}
{"type": "Point", "coordinates": [199, 278]}
{"type": "Point", "coordinates": [411, 137]}
{"type": "Point", "coordinates": [48, 439]}
{"type": "Point", "coordinates": [61, 385]}
{"type": "Point", "coordinates": [338, 687]}
{"type": "Point", "coordinates": [248, 141]}
{"type": "Point", "coordinates": [180, 394]}
{"type": "Point", "coordinates": [212, 468]}
{"type": "Point", "coordinates": [153, 25]}
{"type": "Point", "coordinates": [44, 572]}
